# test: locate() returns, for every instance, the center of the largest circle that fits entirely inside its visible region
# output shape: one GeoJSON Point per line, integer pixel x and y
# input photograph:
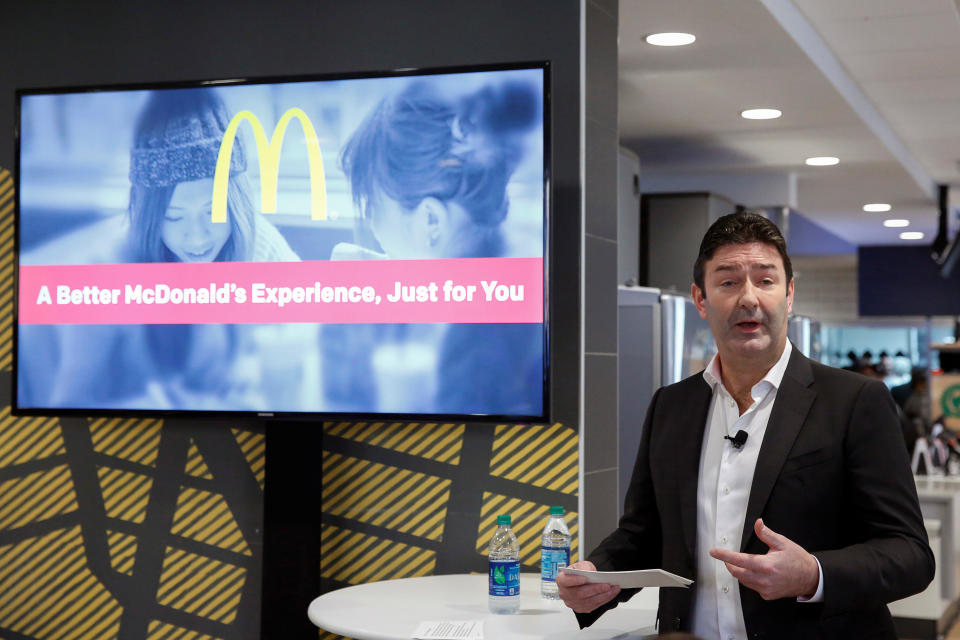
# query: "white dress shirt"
{"type": "Point", "coordinates": [725, 477]}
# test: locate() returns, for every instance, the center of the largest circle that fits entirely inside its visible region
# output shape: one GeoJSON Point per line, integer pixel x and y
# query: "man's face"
{"type": "Point", "coordinates": [746, 299]}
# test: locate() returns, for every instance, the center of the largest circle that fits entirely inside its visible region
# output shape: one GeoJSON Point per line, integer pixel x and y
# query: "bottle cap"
{"type": "Point", "coordinates": [501, 520]}
{"type": "Point", "coordinates": [556, 511]}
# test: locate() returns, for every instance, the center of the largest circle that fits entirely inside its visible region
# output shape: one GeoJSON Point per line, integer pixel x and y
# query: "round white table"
{"type": "Point", "coordinates": [393, 609]}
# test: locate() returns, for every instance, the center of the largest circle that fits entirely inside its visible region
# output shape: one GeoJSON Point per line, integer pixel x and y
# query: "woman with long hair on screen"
{"type": "Point", "coordinates": [173, 158]}
{"type": "Point", "coordinates": [429, 175]}
{"type": "Point", "coordinates": [172, 163]}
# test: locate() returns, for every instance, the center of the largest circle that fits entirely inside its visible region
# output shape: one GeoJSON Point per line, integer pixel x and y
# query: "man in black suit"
{"type": "Point", "coordinates": [780, 485]}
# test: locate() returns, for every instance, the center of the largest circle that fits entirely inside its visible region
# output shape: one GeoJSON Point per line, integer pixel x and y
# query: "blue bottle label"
{"type": "Point", "coordinates": [504, 577]}
{"type": "Point", "coordinates": [551, 559]}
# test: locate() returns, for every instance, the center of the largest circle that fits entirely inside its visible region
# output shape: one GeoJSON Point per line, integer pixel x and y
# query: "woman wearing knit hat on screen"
{"type": "Point", "coordinates": [172, 163]}
{"type": "Point", "coordinates": [174, 154]}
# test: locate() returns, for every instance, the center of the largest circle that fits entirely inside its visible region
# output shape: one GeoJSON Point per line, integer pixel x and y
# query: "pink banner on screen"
{"type": "Point", "coordinates": [469, 290]}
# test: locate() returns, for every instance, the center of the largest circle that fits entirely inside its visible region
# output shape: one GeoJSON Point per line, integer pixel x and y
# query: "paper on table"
{"type": "Point", "coordinates": [633, 579]}
{"type": "Point", "coordinates": [449, 630]}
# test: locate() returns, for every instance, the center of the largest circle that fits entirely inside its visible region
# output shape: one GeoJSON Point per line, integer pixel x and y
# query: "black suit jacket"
{"type": "Point", "coordinates": [832, 475]}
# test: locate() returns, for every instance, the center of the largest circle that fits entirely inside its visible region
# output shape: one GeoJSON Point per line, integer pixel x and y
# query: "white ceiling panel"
{"type": "Point", "coordinates": [821, 11]}
{"type": "Point", "coordinates": [835, 201]}
{"type": "Point", "coordinates": [914, 91]}
{"type": "Point", "coordinates": [942, 61]}
{"type": "Point", "coordinates": [914, 32]}
{"type": "Point", "coordinates": [679, 107]}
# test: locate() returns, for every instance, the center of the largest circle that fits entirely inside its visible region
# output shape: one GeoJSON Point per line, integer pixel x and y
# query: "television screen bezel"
{"type": "Point", "coordinates": [220, 415]}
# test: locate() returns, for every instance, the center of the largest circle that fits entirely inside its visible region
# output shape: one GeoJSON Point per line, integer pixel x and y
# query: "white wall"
{"type": "Point", "coordinates": [826, 287]}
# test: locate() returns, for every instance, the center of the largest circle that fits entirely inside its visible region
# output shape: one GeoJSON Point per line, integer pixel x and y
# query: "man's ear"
{"type": "Point", "coordinates": [431, 222]}
{"type": "Point", "coordinates": [790, 291]}
{"type": "Point", "coordinates": [699, 300]}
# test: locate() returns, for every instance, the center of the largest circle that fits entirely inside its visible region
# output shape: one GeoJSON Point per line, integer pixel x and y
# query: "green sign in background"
{"type": "Point", "coordinates": [950, 401]}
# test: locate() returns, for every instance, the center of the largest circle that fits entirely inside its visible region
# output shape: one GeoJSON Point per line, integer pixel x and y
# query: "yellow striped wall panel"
{"type": "Point", "coordinates": [6, 266]}
{"type": "Point", "coordinates": [123, 549]}
{"type": "Point", "coordinates": [254, 450]}
{"type": "Point", "coordinates": [196, 466]}
{"type": "Point", "coordinates": [544, 456]}
{"type": "Point", "coordinates": [48, 592]}
{"type": "Point", "coordinates": [164, 631]}
{"type": "Point", "coordinates": [206, 517]}
{"type": "Point", "coordinates": [440, 442]}
{"type": "Point", "coordinates": [131, 439]}
{"type": "Point", "coordinates": [384, 496]}
{"type": "Point", "coordinates": [26, 439]}
{"type": "Point", "coordinates": [527, 522]}
{"type": "Point", "coordinates": [356, 558]}
{"type": "Point", "coordinates": [201, 586]}
{"type": "Point", "coordinates": [125, 494]}
{"type": "Point", "coordinates": [36, 497]}
{"type": "Point", "coordinates": [506, 469]}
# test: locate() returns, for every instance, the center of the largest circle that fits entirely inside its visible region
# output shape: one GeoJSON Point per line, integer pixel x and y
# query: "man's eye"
{"type": "Point", "coordinates": [173, 218]}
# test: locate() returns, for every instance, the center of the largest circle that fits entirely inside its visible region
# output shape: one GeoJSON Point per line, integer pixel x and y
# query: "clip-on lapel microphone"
{"type": "Point", "coordinates": [738, 440]}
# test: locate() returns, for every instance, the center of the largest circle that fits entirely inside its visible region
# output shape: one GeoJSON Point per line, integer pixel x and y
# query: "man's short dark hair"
{"type": "Point", "coordinates": [741, 227]}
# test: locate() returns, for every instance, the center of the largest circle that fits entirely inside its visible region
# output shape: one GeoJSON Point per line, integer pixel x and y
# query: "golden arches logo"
{"type": "Point", "coordinates": [269, 155]}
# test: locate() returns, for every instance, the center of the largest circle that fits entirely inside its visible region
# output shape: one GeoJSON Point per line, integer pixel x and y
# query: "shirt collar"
{"type": "Point", "coordinates": [774, 376]}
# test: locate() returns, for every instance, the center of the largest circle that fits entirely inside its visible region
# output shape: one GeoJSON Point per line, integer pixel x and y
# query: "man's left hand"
{"type": "Point", "coordinates": [785, 571]}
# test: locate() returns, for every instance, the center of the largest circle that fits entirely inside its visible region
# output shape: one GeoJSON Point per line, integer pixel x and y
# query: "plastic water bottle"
{"type": "Point", "coordinates": [504, 556]}
{"type": "Point", "coordinates": [554, 552]}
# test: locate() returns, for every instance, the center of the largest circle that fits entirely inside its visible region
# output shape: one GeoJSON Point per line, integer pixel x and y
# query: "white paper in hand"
{"type": "Point", "coordinates": [633, 579]}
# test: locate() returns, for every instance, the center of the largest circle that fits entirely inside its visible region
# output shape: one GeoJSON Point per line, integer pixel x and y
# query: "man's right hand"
{"type": "Point", "coordinates": [583, 596]}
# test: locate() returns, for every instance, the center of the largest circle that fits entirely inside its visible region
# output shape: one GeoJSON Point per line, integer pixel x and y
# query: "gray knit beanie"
{"type": "Point", "coordinates": [177, 138]}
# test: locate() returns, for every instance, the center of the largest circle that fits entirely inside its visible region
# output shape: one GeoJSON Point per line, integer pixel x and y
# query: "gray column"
{"type": "Point", "coordinates": [598, 431]}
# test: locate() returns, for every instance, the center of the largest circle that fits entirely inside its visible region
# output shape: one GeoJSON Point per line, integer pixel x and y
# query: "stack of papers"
{"type": "Point", "coordinates": [449, 630]}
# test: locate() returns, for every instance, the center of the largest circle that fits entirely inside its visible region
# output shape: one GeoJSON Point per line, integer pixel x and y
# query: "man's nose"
{"type": "Point", "coordinates": [748, 296]}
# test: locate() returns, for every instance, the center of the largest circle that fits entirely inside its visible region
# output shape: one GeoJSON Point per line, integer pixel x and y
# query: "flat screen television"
{"type": "Point", "coordinates": [364, 245]}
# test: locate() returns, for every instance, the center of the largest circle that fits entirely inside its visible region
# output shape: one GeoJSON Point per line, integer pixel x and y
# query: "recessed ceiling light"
{"type": "Point", "coordinates": [822, 161]}
{"type": "Point", "coordinates": [670, 39]}
{"type": "Point", "coordinates": [894, 222]}
{"type": "Point", "coordinates": [911, 235]}
{"type": "Point", "coordinates": [761, 114]}
{"type": "Point", "coordinates": [877, 207]}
